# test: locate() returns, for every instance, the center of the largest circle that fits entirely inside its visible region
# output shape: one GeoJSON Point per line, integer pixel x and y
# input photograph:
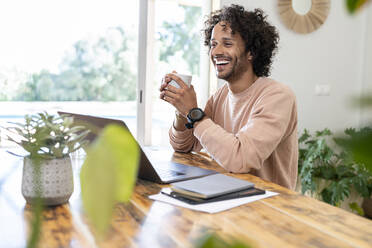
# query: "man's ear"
{"type": "Point", "coordinates": [249, 56]}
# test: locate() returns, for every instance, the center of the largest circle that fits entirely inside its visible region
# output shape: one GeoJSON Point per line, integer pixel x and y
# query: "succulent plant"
{"type": "Point", "coordinates": [48, 136]}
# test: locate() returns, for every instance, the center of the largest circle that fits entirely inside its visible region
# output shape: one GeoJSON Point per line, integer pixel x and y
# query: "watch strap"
{"type": "Point", "coordinates": [189, 125]}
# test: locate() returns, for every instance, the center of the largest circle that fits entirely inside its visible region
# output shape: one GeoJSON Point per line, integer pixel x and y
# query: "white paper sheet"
{"type": "Point", "coordinates": [212, 207]}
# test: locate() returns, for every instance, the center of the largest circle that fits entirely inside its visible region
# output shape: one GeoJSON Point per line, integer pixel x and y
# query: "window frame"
{"type": "Point", "coordinates": [146, 63]}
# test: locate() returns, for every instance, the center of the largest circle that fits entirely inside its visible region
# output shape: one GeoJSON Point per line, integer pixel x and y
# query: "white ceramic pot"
{"type": "Point", "coordinates": [55, 184]}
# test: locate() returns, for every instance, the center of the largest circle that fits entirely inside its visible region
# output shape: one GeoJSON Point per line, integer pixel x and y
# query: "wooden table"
{"type": "Point", "coordinates": [286, 220]}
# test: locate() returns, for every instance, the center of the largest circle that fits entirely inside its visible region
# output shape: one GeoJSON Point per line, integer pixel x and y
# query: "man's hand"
{"type": "Point", "coordinates": [183, 99]}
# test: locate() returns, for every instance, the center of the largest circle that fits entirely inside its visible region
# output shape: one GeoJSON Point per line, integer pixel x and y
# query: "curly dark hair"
{"type": "Point", "coordinates": [260, 38]}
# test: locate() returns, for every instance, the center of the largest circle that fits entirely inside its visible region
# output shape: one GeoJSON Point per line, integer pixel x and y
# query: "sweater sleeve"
{"type": "Point", "coordinates": [185, 141]}
{"type": "Point", "coordinates": [256, 140]}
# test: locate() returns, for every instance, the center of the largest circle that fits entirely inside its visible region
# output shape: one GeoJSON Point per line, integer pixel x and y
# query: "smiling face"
{"type": "Point", "coordinates": [228, 54]}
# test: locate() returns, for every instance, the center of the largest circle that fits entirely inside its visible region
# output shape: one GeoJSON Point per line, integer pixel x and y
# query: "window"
{"type": "Point", "coordinates": [83, 56]}
{"type": "Point", "coordinates": [74, 55]}
{"type": "Point", "coordinates": [177, 47]}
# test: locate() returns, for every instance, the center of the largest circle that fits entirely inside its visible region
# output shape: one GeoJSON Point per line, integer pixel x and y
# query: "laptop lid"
{"type": "Point", "coordinates": [169, 171]}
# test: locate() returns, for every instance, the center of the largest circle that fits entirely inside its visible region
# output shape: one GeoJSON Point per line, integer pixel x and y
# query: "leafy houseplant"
{"type": "Point", "coordinates": [48, 138]}
{"type": "Point", "coordinates": [329, 174]}
{"type": "Point", "coordinates": [47, 170]}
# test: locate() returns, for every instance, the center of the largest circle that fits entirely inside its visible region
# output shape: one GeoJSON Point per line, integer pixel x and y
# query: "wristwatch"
{"type": "Point", "coordinates": [195, 114]}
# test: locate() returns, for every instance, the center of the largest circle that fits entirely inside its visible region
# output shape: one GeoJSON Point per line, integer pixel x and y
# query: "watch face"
{"type": "Point", "coordinates": [196, 114]}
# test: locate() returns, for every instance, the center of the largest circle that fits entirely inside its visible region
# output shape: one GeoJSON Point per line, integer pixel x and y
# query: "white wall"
{"type": "Point", "coordinates": [335, 54]}
{"type": "Point", "coordinates": [366, 114]}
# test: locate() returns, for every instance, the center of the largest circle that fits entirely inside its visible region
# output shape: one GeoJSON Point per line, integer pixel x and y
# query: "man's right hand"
{"type": "Point", "coordinates": [183, 98]}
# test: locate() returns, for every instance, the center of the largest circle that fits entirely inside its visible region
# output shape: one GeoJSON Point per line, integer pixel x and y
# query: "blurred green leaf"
{"type": "Point", "coordinates": [214, 241]}
{"type": "Point", "coordinates": [363, 101]}
{"type": "Point", "coordinates": [360, 145]}
{"type": "Point", "coordinates": [108, 175]}
{"type": "Point", "coordinates": [366, 101]}
{"type": "Point", "coordinates": [37, 208]}
{"type": "Point", "coordinates": [354, 5]}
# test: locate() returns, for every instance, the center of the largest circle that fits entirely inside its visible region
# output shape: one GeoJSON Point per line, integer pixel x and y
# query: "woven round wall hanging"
{"type": "Point", "coordinates": [301, 22]}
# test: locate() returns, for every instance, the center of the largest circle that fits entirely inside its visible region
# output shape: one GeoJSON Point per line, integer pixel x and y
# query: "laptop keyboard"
{"type": "Point", "coordinates": [168, 173]}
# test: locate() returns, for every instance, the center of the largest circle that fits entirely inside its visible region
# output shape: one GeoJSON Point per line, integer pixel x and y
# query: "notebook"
{"type": "Point", "coordinates": [211, 186]}
{"type": "Point", "coordinates": [195, 200]}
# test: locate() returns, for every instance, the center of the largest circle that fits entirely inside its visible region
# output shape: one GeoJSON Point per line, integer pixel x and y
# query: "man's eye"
{"type": "Point", "coordinates": [213, 44]}
{"type": "Point", "coordinates": [228, 44]}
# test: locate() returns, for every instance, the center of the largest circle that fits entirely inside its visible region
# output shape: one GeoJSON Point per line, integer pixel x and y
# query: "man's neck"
{"type": "Point", "coordinates": [243, 82]}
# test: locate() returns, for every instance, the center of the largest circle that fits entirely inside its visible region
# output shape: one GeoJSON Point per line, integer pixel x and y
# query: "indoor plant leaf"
{"type": "Point", "coordinates": [356, 208]}
{"type": "Point", "coordinates": [305, 136]}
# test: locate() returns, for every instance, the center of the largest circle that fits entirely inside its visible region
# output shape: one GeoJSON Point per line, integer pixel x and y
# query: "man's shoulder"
{"type": "Point", "coordinates": [271, 86]}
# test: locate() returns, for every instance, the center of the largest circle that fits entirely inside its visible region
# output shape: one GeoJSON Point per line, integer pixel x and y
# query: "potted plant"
{"type": "Point", "coordinates": [329, 172]}
{"type": "Point", "coordinates": [47, 170]}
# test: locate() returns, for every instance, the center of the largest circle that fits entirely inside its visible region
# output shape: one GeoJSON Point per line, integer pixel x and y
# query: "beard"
{"type": "Point", "coordinates": [235, 69]}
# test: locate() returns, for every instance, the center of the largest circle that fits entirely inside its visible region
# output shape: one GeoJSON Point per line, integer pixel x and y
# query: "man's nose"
{"type": "Point", "coordinates": [217, 50]}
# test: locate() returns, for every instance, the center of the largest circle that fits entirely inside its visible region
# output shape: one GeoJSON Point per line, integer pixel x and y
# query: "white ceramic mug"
{"type": "Point", "coordinates": [186, 78]}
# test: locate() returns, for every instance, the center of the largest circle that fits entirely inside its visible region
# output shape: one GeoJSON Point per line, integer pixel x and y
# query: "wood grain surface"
{"type": "Point", "coordinates": [286, 220]}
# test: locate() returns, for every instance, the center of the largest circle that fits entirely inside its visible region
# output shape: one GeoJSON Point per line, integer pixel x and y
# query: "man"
{"type": "Point", "coordinates": [249, 124]}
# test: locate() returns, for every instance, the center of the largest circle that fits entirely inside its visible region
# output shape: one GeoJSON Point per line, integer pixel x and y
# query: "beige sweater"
{"type": "Point", "coordinates": [253, 131]}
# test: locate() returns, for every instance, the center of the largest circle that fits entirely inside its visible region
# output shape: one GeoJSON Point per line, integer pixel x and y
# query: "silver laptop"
{"type": "Point", "coordinates": [155, 171]}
